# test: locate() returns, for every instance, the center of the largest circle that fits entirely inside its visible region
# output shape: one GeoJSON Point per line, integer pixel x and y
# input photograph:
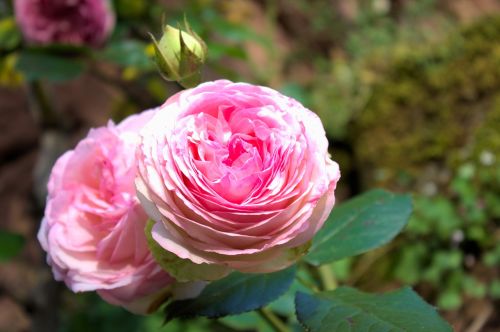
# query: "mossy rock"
{"type": "Point", "coordinates": [435, 108]}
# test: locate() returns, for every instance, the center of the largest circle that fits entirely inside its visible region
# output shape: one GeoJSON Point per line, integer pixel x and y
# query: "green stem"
{"type": "Point", "coordinates": [307, 284]}
{"type": "Point", "coordinates": [44, 112]}
{"type": "Point", "coordinates": [328, 280]}
{"type": "Point", "coordinates": [273, 320]}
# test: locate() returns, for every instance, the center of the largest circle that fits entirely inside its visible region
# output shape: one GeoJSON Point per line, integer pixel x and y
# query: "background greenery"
{"type": "Point", "coordinates": [409, 95]}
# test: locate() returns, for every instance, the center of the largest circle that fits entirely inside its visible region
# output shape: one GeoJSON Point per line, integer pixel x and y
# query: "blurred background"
{"type": "Point", "coordinates": [409, 93]}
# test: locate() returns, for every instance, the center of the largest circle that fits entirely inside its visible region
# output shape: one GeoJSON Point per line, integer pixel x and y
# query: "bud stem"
{"type": "Point", "coordinates": [327, 277]}
{"type": "Point", "coordinates": [44, 112]}
{"type": "Point", "coordinates": [274, 321]}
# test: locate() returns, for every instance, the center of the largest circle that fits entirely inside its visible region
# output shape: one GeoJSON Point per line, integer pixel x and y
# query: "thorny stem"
{"type": "Point", "coordinates": [44, 112]}
{"type": "Point", "coordinates": [274, 321]}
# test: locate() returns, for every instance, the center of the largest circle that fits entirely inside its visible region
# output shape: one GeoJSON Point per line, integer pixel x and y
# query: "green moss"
{"type": "Point", "coordinates": [434, 108]}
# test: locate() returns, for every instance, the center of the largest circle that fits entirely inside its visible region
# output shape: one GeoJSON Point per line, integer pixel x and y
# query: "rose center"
{"type": "Point", "coordinates": [60, 9]}
{"type": "Point", "coordinates": [238, 151]}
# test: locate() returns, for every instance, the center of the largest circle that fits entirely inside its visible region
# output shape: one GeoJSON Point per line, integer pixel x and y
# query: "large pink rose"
{"type": "Point", "coordinates": [93, 229]}
{"type": "Point", "coordinates": [75, 22]}
{"type": "Point", "coordinates": [236, 177]}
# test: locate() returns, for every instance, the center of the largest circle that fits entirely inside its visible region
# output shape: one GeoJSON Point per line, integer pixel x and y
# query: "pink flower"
{"type": "Point", "coordinates": [93, 229]}
{"type": "Point", "coordinates": [75, 22]}
{"type": "Point", "coordinates": [236, 176]}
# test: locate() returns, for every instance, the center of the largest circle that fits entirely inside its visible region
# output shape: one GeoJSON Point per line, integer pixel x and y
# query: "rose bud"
{"type": "Point", "coordinates": [72, 22]}
{"type": "Point", "coordinates": [93, 228]}
{"type": "Point", "coordinates": [180, 54]}
{"type": "Point", "coordinates": [236, 177]}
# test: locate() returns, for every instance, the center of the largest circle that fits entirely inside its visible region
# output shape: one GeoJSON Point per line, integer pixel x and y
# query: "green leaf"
{"type": "Point", "coordinates": [38, 65]}
{"type": "Point", "coordinates": [235, 294]}
{"type": "Point", "coordinates": [10, 245]}
{"type": "Point", "coordinates": [285, 305]}
{"type": "Point", "coordinates": [240, 33]}
{"type": "Point", "coordinates": [219, 50]}
{"type": "Point", "coordinates": [361, 224]}
{"type": "Point", "coordinates": [350, 310]}
{"type": "Point", "coordinates": [128, 53]}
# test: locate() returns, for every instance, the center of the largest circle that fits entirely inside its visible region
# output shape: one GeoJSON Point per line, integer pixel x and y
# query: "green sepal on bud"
{"type": "Point", "coordinates": [180, 54]}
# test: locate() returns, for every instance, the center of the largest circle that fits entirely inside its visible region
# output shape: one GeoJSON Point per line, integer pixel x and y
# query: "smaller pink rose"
{"type": "Point", "coordinates": [93, 228]}
{"type": "Point", "coordinates": [74, 22]}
